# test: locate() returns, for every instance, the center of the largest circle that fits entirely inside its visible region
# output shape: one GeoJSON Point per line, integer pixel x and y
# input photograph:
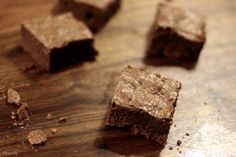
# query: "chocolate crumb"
{"type": "Point", "coordinates": [49, 116]}
{"type": "Point", "coordinates": [13, 97]}
{"type": "Point", "coordinates": [135, 130]}
{"type": "Point", "coordinates": [179, 143]}
{"type": "Point", "coordinates": [174, 125]}
{"type": "Point", "coordinates": [187, 134]}
{"type": "Point", "coordinates": [22, 111]}
{"type": "Point", "coordinates": [20, 123]}
{"type": "Point", "coordinates": [62, 119]}
{"type": "Point", "coordinates": [170, 148]}
{"type": "Point", "coordinates": [54, 130]}
{"type": "Point", "coordinates": [180, 152]}
{"type": "Point", "coordinates": [37, 137]}
{"type": "Point", "coordinates": [13, 115]}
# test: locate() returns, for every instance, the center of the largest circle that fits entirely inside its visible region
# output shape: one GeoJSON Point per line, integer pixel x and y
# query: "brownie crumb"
{"type": "Point", "coordinates": [54, 130]}
{"type": "Point", "coordinates": [13, 97]}
{"type": "Point", "coordinates": [13, 115]}
{"type": "Point", "coordinates": [187, 134]}
{"type": "Point", "coordinates": [135, 131]}
{"type": "Point", "coordinates": [174, 125]}
{"type": "Point", "coordinates": [20, 123]}
{"type": "Point", "coordinates": [49, 116]}
{"type": "Point", "coordinates": [170, 148]}
{"type": "Point", "coordinates": [179, 143]}
{"type": "Point", "coordinates": [22, 111]}
{"type": "Point", "coordinates": [180, 152]}
{"type": "Point", "coordinates": [37, 137]}
{"type": "Point", "coordinates": [62, 119]}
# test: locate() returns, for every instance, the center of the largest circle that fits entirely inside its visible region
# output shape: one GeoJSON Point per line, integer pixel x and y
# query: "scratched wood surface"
{"type": "Point", "coordinates": [206, 108]}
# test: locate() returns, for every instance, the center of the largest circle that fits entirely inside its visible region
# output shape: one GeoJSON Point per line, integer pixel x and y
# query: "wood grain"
{"type": "Point", "coordinates": [206, 107]}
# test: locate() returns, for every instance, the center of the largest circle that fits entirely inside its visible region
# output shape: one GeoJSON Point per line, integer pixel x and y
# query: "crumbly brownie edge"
{"type": "Point", "coordinates": [140, 122]}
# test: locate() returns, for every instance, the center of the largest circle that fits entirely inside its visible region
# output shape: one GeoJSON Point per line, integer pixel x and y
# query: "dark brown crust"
{"type": "Point", "coordinates": [165, 41]}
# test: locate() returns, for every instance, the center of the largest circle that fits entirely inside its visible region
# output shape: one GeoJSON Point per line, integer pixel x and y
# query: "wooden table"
{"type": "Point", "coordinates": [206, 108]}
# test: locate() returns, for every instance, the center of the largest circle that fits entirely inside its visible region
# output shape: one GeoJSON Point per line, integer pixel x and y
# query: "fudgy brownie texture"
{"type": "Point", "coordinates": [145, 102]}
{"type": "Point", "coordinates": [176, 33]}
{"type": "Point", "coordinates": [95, 13]}
{"type": "Point", "coordinates": [54, 42]}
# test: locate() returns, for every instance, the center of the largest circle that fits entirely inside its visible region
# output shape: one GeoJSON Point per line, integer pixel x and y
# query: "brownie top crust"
{"type": "Point", "coordinates": [185, 22]}
{"type": "Point", "coordinates": [58, 31]}
{"type": "Point", "coordinates": [139, 89]}
{"type": "Point", "coordinates": [101, 4]}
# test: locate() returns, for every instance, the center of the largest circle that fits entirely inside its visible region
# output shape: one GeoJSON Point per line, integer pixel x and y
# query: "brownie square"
{"type": "Point", "coordinates": [95, 13]}
{"type": "Point", "coordinates": [145, 102]}
{"type": "Point", "coordinates": [176, 33]}
{"type": "Point", "coordinates": [54, 42]}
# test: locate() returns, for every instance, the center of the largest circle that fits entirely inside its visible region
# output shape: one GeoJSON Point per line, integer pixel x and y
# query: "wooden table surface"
{"type": "Point", "coordinates": [206, 108]}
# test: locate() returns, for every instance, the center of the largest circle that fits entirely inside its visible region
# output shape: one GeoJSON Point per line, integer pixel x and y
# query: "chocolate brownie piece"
{"type": "Point", "coordinates": [176, 33]}
{"type": "Point", "coordinates": [54, 42]}
{"type": "Point", "coordinates": [95, 13]}
{"type": "Point", "coordinates": [145, 102]}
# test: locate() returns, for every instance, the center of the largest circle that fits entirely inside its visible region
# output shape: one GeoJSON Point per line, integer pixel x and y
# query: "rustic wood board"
{"type": "Point", "coordinates": [206, 108]}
